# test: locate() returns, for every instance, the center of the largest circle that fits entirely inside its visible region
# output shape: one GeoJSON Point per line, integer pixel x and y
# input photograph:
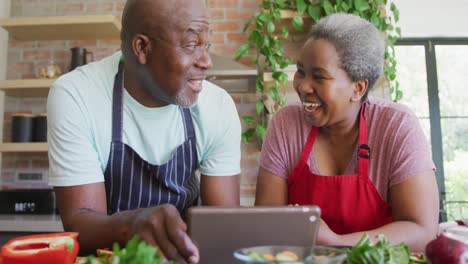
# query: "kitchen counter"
{"type": "Point", "coordinates": [30, 223]}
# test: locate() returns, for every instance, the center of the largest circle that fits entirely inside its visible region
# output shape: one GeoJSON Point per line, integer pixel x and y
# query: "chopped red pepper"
{"type": "Point", "coordinates": [58, 248]}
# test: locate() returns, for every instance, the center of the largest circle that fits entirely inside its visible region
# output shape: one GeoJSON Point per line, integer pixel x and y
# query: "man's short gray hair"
{"type": "Point", "coordinates": [359, 44]}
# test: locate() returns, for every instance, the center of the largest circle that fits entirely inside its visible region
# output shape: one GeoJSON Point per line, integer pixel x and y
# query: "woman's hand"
{"type": "Point", "coordinates": [326, 236]}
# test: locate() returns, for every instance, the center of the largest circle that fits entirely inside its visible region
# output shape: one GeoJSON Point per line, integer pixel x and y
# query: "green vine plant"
{"type": "Point", "coordinates": [265, 48]}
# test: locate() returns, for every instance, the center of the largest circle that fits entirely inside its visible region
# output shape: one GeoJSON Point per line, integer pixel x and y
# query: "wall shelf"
{"type": "Point", "coordinates": [23, 147]}
{"type": "Point", "coordinates": [26, 87]}
{"type": "Point", "coordinates": [62, 27]}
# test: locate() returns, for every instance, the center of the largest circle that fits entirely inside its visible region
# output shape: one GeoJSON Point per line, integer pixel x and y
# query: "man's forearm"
{"type": "Point", "coordinates": [97, 230]}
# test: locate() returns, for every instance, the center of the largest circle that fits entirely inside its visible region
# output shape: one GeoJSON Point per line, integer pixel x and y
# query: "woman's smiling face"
{"type": "Point", "coordinates": [324, 87]}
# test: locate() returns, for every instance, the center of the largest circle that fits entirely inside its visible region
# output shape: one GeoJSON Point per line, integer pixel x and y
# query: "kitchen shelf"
{"type": "Point", "coordinates": [23, 147]}
{"type": "Point", "coordinates": [62, 27]}
{"type": "Point", "coordinates": [26, 87]}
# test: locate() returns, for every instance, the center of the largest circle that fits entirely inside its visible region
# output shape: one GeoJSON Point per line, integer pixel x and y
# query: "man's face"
{"type": "Point", "coordinates": [180, 58]}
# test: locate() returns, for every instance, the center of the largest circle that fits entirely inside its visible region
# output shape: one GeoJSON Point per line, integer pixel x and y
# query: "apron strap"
{"type": "Point", "coordinates": [188, 123]}
{"type": "Point", "coordinates": [364, 151]}
{"type": "Point", "coordinates": [308, 147]}
{"type": "Point", "coordinates": [117, 116]}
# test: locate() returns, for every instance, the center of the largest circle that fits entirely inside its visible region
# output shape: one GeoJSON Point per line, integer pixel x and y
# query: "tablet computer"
{"type": "Point", "coordinates": [219, 231]}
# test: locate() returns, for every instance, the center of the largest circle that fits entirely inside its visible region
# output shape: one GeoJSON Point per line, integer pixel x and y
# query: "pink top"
{"type": "Point", "coordinates": [399, 149]}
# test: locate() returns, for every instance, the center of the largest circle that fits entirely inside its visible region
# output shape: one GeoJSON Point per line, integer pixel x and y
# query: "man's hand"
{"type": "Point", "coordinates": [163, 226]}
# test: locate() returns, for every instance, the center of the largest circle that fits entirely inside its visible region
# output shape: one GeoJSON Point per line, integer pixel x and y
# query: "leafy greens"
{"type": "Point", "coordinates": [365, 252]}
{"type": "Point", "coordinates": [135, 252]}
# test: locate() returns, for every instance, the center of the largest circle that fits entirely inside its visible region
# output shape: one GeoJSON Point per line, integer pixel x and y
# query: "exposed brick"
{"type": "Point", "coordinates": [36, 55]}
{"type": "Point", "coordinates": [217, 38]}
{"type": "Point", "coordinates": [60, 55]}
{"type": "Point", "coordinates": [226, 26]}
{"type": "Point", "coordinates": [22, 67]}
{"type": "Point", "coordinates": [251, 3]}
{"type": "Point", "coordinates": [12, 43]}
{"type": "Point", "coordinates": [99, 7]}
{"type": "Point", "coordinates": [236, 98]}
{"type": "Point", "coordinates": [40, 164]}
{"type": "Point", "coordinates": [82, 43]}
{"type": "Point", "coordinates": [247, 189]}
{"type": "Point", "coordinates": [13, 56]}
{"type": "Point", "coordinates": [216, 13]}
{"type": "Point", "coordinates": [237, 38]}
{"type": "Point", "coordinates": [41, 9]}
{"type": "Point", "coordinates": [51, 44]}
{"type": "Point", "coordinates": [240, 13]}
{"type": "Point", "coordinates": [70, 8]}
{"type": "Point", "coordinates": [15, 164]}
{"type": "Point", "coordinates": [104, 43]}
{"type": "Point", "coordinates": [223, 3]}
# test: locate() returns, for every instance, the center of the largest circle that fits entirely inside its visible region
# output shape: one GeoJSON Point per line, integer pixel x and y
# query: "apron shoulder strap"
{"type": "Point", "coordinates": [188, 123]}
{"type": "Point", "coordinates": [117, 116]}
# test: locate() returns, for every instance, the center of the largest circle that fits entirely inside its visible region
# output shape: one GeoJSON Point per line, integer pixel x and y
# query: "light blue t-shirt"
{"type": "Point", "coordinates": [79, 110]}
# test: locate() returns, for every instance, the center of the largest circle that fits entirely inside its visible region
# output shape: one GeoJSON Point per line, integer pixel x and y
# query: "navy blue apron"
{"type": "Point", "coordinates": [131, 182]}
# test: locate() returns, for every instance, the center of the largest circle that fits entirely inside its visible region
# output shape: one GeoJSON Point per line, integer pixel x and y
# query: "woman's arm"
{"type": "Point", "coordinates": [415, 212]}
{"type": "Point", "coordinates": [271, 189]}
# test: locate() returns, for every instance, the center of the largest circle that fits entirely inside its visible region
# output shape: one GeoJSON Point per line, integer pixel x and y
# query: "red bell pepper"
{"type": "Point", "coordinates": [57, 248]}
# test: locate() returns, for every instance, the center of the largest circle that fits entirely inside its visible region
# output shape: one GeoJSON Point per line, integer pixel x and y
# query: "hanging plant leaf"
{"type": "Point", "coordinates": [285, 32]}
{"type": "Point", "coordinates": [361, 5]}
{"type": "Point", "coordinates": [395, 11]}
{"type": "Point", "coordinates": [266, 40]}
{"type": "Point", "coordinates": [280, 3]}
{"type": "Point", "coordinates": [255, 36]}
{"type": "Point", "coordinates": [260, 83]}
{"type": "Point", "coordinates": [284, 101]}
{"type": "Point", "coordinates": [248, 135]}
{"type": "Point", "coordinates": [276, 14]}
{"type": "Point", "coordinates": [249, 120]}
{"type": "Point", "coordinates": [399, 95]}
{"type": "Point", "coordinates": [273, 92]}
{"type": "Point", "coordinates": [297, 23]}
{"type": "Point", "coordinates": [375, 20]}
{"type": "Point", "coordinates": [270, 27]}
{"type": "Point", "coordinates": [301, 6]}
{"type": "Point", "coordinates": [314, 12]}
{"type": "Point", "coordinates": [264, 17]}
{"type": "Point", "coordinates": [344, 6]}
{"type": "Point", "coordinates": [328, 7]}
{"type": "Point", "coordinates": [260, 107]}
{"type": "Point", "coordinates": [241, 51]}
{"type": "Point", "coordinates": [261, 131]}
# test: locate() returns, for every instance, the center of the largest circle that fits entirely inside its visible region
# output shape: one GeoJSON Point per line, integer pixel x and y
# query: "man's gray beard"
{"type": "Point", "coordinates": [157, 93]}
{"type": "Point", "coordinates": [183, 101]}
{"type": "Point", "coordinates": [150, 85]}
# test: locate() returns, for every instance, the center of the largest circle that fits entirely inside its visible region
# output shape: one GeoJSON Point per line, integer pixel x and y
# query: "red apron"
{"type": "Point", "coordinates": [349, 203]}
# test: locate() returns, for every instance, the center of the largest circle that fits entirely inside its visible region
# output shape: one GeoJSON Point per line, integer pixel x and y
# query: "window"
{"type": "Point", "coordinates": [434, 84]}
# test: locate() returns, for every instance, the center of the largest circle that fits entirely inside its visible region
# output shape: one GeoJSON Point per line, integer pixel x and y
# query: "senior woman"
{"type": "Point", "coordinates": [364, 160]}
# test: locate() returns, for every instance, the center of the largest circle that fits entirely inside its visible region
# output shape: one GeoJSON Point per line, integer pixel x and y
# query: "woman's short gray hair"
{"type": "Point", "coordinates": [359, 44]}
